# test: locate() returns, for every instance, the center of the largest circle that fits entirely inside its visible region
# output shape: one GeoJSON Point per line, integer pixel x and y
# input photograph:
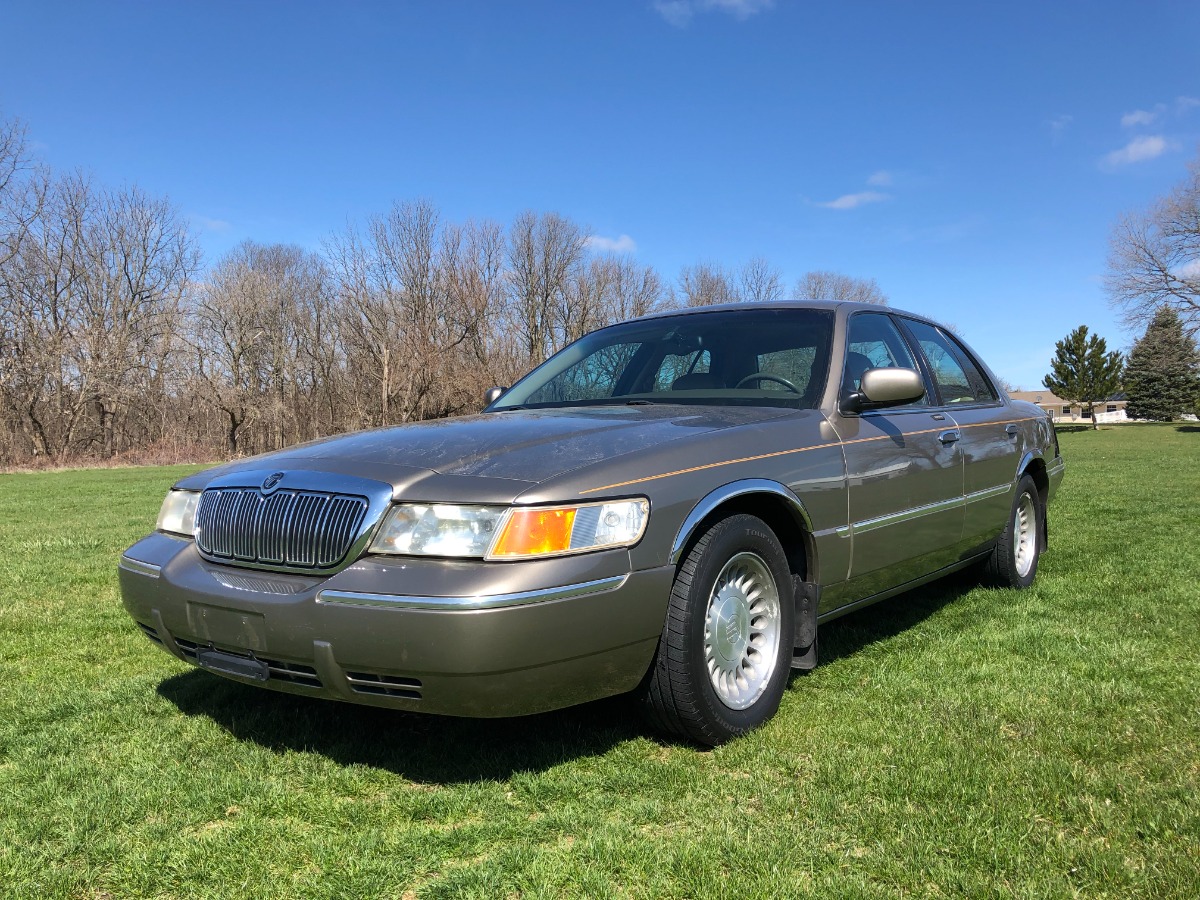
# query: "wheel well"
{"type": "Point", "coordinates": [777, 513]}
{"type": "Point", "coordinates": [1037, 471]}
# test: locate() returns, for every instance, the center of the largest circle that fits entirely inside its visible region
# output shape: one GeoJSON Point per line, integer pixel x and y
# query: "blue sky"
{"type": "Point", "coordinates": [970, 157]}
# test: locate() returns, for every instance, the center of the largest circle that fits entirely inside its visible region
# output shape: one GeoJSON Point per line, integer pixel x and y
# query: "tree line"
{"type": "Point", "coordinates": [1154, 280]}
{"type": "Point", "coordinates": [115, 338]}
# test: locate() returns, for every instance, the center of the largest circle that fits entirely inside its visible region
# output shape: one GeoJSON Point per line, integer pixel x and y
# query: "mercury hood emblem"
{"type": "Point", "coordinates": [271, 482]}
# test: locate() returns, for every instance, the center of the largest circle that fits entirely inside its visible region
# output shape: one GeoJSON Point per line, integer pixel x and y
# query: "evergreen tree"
{"type": "Point", "coordinates": [1083, 371]}
{"type": "Point", "coordinates": [1162, 377]}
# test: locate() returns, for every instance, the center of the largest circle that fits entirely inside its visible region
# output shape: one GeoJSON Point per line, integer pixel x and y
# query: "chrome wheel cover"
{"type": "Point", "coordinates": [1024, 535]}
{"type": "Point", "coordinates": [742, 630]}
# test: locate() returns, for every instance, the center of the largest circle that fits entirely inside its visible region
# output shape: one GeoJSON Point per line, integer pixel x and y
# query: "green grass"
{"type": "Point", "coordinates": [955, 742]}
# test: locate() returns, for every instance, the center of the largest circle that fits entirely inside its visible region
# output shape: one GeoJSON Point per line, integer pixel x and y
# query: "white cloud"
{"type": "Point", "coordinates": [881, 178]}
{"type": "Point", "coordinates": [853, 201]}
{"type": "Point", "coordinates": [739, 9]}
{"type": "Point", "coordinates": [1139, 149]}
{"type": "Point", "coordinates": [622, 244]}
{"type": "Point", "coordinates": [204, 223]}
{"type": "Point", "coordinates": [1183, 104]}
{"type": "Point", "coordinates": [1189, 270]}
{"type": "Point", "coordinates": [1141, 117]}
{"type": "Point", "coordinates": [677, 12]}
{"type": "Point", "coordinates": [1060, 123]}
{"type": "Point", "coordinates": [680, 12]}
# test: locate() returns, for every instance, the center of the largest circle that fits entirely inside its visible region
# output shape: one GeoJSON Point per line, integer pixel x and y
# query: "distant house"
{"type": "Point", "coordinates": [1060, 410]}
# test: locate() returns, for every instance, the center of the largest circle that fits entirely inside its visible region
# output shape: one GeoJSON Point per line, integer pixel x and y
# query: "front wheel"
{"type": "Point", "coordinates": [1014, 559]}
{"type": "Point", "coordinates": [723, 657]}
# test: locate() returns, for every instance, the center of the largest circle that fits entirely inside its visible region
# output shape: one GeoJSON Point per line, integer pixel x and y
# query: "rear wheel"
{"type": "Point", "coordinates": [723, 656]}
{"type": "Point", "coordinates": [1014, 559]}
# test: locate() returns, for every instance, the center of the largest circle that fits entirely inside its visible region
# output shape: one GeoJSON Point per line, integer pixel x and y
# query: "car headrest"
{"type": "Point", "coordinates": [856, 364]}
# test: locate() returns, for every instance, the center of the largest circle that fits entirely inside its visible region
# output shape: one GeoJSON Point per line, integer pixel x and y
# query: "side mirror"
{"type": "Point", "coordinates": [493, 394]}
{"type": "Point", "coordinates": [881, 388]}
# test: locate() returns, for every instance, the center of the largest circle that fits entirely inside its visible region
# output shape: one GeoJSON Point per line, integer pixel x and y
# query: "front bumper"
{"type": "Point", "coordinates": [451, 637]}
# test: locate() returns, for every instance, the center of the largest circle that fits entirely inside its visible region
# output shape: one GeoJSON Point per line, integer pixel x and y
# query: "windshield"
{"type": "Point", "coordinates": [750, 357]}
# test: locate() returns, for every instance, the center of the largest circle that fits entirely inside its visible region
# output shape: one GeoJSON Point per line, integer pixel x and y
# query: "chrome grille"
{"type": "Point", "coordinates": [289, 529]}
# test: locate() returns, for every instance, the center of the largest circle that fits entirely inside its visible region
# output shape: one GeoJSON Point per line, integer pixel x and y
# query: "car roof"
{"type": "Point", "coordinates": [777, 304]}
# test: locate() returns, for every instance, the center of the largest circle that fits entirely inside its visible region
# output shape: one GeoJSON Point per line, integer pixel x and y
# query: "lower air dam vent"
{"type": "Point", "coordinates": [385, 685]}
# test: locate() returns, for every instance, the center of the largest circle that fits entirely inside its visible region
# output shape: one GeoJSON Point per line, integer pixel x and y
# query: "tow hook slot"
{"type": "Point", "coordinates": [231, 664]}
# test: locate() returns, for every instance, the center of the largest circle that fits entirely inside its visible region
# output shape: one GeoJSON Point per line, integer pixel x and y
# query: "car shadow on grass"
{"type": "Point", "coordinates": [446, 750]}
{"type": "Point", "coordinates": [421, 748]}
{"type": "Point", "coordinates": [844, 637]}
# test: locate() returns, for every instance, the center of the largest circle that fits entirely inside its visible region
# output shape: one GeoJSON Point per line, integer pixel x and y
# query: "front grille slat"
{"type": "Point", "coordinates": [271, 537]}
{"type": "Point", "coordinates": [288, 529]}
{"type": "Point", "coordinates": [246, 538]}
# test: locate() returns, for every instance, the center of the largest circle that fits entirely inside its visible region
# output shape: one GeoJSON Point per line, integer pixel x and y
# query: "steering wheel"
{"type": "Point", "coordinates": [767, 376]}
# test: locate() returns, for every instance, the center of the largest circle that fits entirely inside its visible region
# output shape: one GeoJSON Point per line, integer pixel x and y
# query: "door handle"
{"type": "Point", "coordinates": [1011, 430]}
{"type": "Point", "coordinates": [948, 437]}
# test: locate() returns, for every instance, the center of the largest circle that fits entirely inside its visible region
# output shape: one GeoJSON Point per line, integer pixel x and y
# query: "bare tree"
{"type": "Point", "coordinates": [706, 284]}
{"type": "Point", "coordinates": [112, 340]}
{"type": "Point", "coordinates": [1154, 258]}
{"type": "Point", "coordinates": [139, 260]}
{"type": "Point", "coordinates": [636, 290]}
{"type": "Point", "coordinates": [824, 285]}
{"type": "Point", "coordinates": [588, 301]}
{"type": "Point", "coordinates": [225, 334]}
{"type": "Point", "coordinates": [544, 254]}
{"type": "Point", "coordinates": [21, 196]}
{"type": "Point", "coordinates": [473, 257]}
{"type": "Point", "coordinates": [41, 304]}
{"type": "Point", "coordinates": [412, 296]}
{"type": "Point", "coordinates": [761, 282]}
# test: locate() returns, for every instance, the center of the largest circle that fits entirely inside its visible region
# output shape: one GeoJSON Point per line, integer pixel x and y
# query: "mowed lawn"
{"type": "Point", "coordinates": [954, 742]}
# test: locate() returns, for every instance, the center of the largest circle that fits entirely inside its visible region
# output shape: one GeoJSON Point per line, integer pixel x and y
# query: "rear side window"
{"type": "Point", "coordinates": [875, 343]}
{"type": "Point", "coordinates": [958, 378]}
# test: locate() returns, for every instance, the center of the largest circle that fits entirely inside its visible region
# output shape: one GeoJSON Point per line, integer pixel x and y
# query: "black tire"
{"type": "Point", "coordinates": [679, 695]}
{"type": "Point", "coordinates": [1014, 559]}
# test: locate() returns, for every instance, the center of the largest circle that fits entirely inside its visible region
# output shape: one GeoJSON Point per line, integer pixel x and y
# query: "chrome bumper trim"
{"type": "Point", "coordinates": [468, 604]}
{"type": "Point", "coordinates": [129, 564]}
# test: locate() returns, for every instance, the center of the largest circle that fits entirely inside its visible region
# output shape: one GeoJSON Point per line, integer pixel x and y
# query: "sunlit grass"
{"type": "Point", "coordinates": [957, 741]}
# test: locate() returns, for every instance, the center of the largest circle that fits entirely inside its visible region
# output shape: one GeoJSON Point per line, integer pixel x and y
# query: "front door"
{"type": "Point", "coordinates": [988, 439]}
{"type": "Point", "coordinates": [905, 471]}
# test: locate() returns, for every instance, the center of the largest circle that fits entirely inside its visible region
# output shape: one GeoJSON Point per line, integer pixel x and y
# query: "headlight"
{"type": "Point", "coordinates": [557, 530]}
{"type": "Point", "coordinates": [178, 513]}
{"type": "Point", "coordinates": [497, 533]}
{"type": "Point", "coordinates": [437, 529]}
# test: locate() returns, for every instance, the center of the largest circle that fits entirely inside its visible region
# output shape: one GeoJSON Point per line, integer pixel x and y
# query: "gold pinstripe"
{"type": "Point", "coordinates": [742, 459]}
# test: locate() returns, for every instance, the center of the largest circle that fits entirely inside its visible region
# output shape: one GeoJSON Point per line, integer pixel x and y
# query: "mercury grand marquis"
{"type": "Point", "coordinates": [670, 506]}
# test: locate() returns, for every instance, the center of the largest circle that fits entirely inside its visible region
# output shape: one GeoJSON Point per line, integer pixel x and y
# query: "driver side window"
{"type": "Point", "coordinates": [874, 342]}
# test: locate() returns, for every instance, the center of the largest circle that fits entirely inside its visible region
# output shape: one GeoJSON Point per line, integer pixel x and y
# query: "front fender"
{"type": "Point", "coordinates": [725, 493]}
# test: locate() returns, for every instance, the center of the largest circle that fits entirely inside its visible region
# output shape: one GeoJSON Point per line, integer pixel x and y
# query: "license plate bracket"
{"type": "Point", "coordinates": [231, 664]}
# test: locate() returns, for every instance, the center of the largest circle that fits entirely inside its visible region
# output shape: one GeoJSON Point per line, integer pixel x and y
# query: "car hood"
{"type": "Point", "coordinates": [523, 446]}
